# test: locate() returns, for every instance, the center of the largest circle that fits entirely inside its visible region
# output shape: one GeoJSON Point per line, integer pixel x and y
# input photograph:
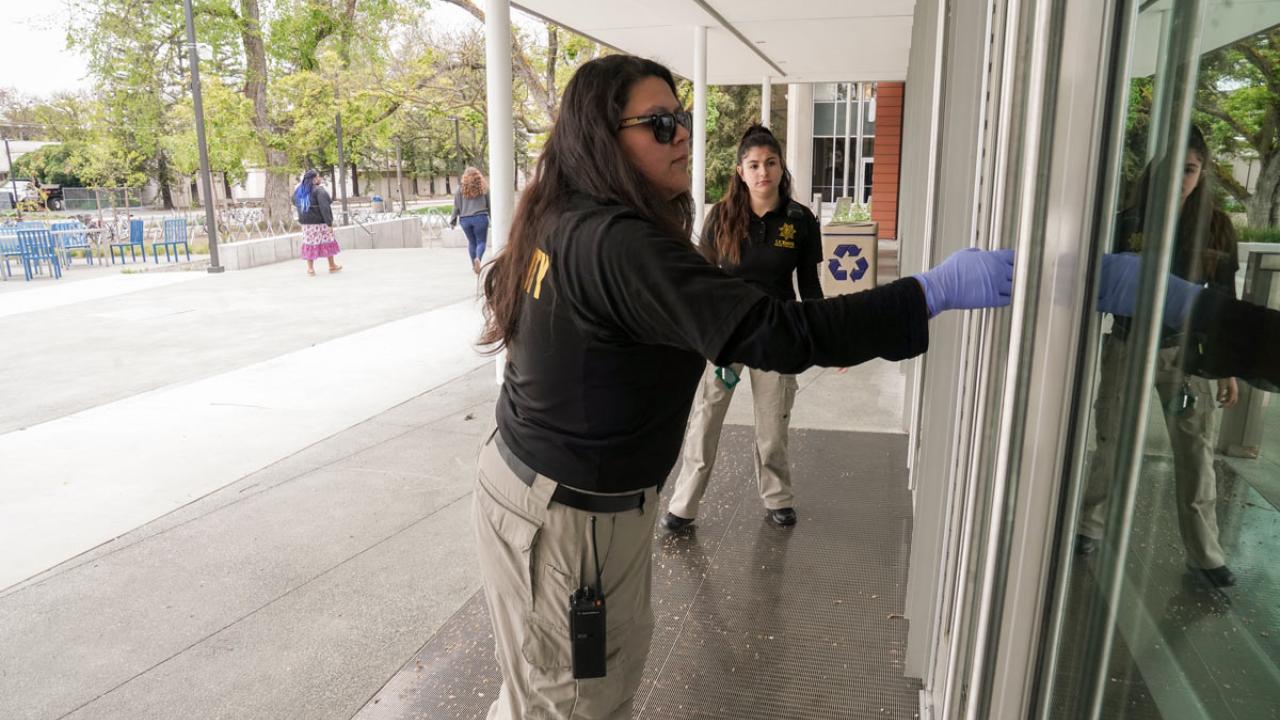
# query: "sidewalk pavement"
{"type": "Point", "coordinates": [297, 457]}
{"type": "Point", "coordinates": [142, 400]}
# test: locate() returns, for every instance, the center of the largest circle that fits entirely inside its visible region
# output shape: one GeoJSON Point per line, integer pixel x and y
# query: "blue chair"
{"type": "Point", "coordinates": [175, 234]}
{"type": "Point", "coordinates": [72, 241]}
{"type": "Point", "coordinates": [37, 248]}
{"type": "Point", "coordinates": [136, 237]}
{"type": "Point", "coordinates": [9, 248]}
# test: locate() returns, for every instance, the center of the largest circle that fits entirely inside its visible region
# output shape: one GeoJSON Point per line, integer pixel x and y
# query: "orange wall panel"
{"type": "Point", "coordinates": [888, 157]}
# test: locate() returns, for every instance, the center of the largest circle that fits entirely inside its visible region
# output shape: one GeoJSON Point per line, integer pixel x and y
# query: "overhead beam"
{"type": "Point", "coordinates": [736, 33]}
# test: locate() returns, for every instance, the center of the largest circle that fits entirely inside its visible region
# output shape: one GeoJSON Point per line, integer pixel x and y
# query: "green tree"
{"type": "Point", "coordinates": [51, 165]}
{"type": "Point", "coordinates": [1238, 104]}
{"type": "Point", "coordinates": [229, 132]}
{"type": "Point", "coordinates": [136, 56]}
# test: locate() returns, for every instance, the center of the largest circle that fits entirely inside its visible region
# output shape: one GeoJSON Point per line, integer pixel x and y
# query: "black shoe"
{"type": "Point", "coordinates": [783, 517]}
{"type": "Point", "coordinates": [675, 523]}
{"type": "Point", "coordinates": [1219, 577]}
{"type": "Point", "coordinates": [1086, 545]}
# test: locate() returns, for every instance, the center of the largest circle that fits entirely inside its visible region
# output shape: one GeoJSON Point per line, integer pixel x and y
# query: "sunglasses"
{"type": "Point", "coordinates": [664, 124]}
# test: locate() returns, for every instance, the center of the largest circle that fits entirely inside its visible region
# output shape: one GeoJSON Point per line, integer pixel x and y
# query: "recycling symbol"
{"type": "Point", "coordinates": [836, 267]}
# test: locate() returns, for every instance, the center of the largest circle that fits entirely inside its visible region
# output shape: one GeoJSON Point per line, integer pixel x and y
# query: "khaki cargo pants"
{"type": "Point", "coordinates": [774, 394]}
{"type": "Point", "coordinates": [1191, 436]}
{"type": "Point", "coordinates": [533, 553]}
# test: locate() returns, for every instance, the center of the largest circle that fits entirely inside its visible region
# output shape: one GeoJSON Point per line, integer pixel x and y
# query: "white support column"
{"type": "Point", "coordinates": [800, 141]}
{"type": "Point", "coordinates": [699, 126]}
{"type": "Point", "coordinates": [497, 53]}
{"type": "Point", "coordinates": [766, 100]}
{"type": "Point", "coordinates": [850, 89]}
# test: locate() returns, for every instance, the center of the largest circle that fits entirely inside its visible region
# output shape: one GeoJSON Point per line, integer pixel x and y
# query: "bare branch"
{"type": "Point", "coordinates": [1229, 183]}
{"type": "Point", "coordinates": [1265, 66]}
{"type": "Point", "coordinates": [522, 64]}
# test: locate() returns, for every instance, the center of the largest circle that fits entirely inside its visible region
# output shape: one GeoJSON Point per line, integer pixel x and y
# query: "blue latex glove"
{"type": "Point", "coordinates": [968, 280]}
{"type": "Point", "coordinates": [1118, 289]}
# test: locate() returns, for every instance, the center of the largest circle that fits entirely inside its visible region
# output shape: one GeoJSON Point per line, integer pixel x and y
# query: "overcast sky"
{"type": "Point", "coordinates": [35, 60]}
{"type": "Point", "coordinates": [33, 48]}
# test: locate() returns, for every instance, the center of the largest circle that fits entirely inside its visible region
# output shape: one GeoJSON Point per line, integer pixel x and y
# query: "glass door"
{"type": "Point", "coordinates": [1163, 603]}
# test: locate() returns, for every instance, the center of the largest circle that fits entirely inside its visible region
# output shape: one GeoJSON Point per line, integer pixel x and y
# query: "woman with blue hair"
{"type": "Point", "coordinates": [315, 214]}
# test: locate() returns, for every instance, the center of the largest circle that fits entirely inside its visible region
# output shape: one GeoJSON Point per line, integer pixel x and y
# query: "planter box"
{"type": "Point", "coordinates": [849, 258]}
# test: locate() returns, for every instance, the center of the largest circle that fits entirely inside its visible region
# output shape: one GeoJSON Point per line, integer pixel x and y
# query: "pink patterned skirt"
{"type": "Point", "coordinates": [318, 242]}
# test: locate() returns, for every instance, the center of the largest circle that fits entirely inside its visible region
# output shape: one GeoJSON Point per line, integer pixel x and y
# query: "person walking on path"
{"type": "Point", "coordinates": [1205, 254]}
{"type": "Point", "coordinates": [315, 214]}
{"type": "Point", "coordinates": [608, 315]}
{"type": "Point", "coordinates": [758, 233]}
{"type": "Point", "coordinates": [471, 203]}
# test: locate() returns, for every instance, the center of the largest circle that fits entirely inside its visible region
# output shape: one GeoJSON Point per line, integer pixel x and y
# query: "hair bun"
{"type": "Point", "coordinates": [757, 129]}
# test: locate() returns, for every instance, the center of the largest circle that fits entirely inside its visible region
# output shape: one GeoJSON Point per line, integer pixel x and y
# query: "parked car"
{"type": "Point", "coordinates": [13, 191]}
{"type": "Point", "coordinates": [52, 196]}
{"type": "Point", "coordinates": [32, 195]}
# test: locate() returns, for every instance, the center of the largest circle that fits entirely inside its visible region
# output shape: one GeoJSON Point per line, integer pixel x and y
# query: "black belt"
{"type": "Point", "coordinates": [566, 495]}
{"type": "Point", "coordinates": [1167, 339]}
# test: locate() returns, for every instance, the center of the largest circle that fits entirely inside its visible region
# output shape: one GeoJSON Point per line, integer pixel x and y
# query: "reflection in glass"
{"type": "Point", "coordinates": [1193, 599]}
{"type": "Point", "coordinates": [1205, 253]}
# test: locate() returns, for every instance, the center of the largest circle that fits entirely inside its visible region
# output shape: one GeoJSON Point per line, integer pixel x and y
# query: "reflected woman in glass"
{"type": "Point", "coordinates": [1204, 253]}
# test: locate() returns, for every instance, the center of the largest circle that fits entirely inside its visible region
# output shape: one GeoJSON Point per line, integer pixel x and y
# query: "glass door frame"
{"type": "Point", "coordinates": [1039, 155]}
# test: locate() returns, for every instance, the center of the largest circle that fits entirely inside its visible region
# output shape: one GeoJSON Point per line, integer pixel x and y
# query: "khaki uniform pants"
{"type": "Point", "coordinates": [773, 394]}
{"type": "Point", "coordinates": [1191, 436]}
{"type": "Point", "coordinates": [533, 553]}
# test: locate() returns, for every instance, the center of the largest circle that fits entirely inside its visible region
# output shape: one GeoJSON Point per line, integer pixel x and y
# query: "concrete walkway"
{"type": "Point", "coordinates": [162, 392]}
{"type": "Point", "coordinates": [256, 504]}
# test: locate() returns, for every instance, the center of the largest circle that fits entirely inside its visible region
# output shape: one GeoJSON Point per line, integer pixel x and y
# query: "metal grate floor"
{"type": "Point", "coordinates": [753, 621]}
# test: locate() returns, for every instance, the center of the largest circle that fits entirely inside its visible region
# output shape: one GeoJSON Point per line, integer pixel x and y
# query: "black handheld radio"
{"type": "Point", "coordinates": [587, 623]}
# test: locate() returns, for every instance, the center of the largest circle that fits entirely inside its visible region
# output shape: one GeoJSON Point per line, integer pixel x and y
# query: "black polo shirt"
{"type": "Point", "coordinates": [1185, 262]}
{"type": "Point", "coordinates": [615, 329]}
{"type": "Point", "coordinates": [788, 239]}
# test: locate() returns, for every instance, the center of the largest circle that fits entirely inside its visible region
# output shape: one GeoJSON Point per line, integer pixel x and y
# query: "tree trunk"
{"type": "Point", "coordinates": [164, 177]}
{"type": "Point", "coordinates": [1262, 205]}
{"type": "Point", "coordinates": [553, 54]}
{"type": "Point", "coordinates": [355, 180]}
{"type": "Point", "coordinates": [276, 207]}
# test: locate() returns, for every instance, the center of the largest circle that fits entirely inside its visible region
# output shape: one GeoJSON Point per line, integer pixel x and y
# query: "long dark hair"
{"type": "Point", "coordinates": [581, 155]}
{"type": "Point", "coordinates": [1204, 236]}
{"type": "Point", "coordinates": [732, 216]}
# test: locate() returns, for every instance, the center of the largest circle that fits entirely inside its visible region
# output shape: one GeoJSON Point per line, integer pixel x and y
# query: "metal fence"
{"type": "Point", "coordinates": [80, 199]}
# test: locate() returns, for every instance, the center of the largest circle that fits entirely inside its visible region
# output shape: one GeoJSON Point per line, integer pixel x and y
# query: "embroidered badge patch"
{"type": "Point", "coordinates": [786, 236]}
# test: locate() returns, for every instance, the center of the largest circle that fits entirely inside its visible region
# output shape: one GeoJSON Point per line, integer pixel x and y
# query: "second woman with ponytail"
{"type": "Point", "coordinates": [759, 234]}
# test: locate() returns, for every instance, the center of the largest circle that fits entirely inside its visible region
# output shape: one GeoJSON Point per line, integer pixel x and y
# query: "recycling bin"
{"type": "Point", "coordinates": [849, 253]}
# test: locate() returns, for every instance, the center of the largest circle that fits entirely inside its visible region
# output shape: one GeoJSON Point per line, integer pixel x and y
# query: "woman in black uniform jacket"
{"type": "Point", "coordinates": [609, 315]}
{"type": "Point", "coordinates": [757, 233]}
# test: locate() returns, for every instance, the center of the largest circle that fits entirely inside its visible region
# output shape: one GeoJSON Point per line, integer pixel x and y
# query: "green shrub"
{"type": "Point", "coordinates": [851, 214]}
{"type": "Point", "coordinates": [445, 210]}
{"type": "Point", "coordinates": [1259, 235]}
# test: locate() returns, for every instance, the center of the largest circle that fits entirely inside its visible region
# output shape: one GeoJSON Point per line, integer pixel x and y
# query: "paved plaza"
{"type": "Point", "coordinates": [247, 495]}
